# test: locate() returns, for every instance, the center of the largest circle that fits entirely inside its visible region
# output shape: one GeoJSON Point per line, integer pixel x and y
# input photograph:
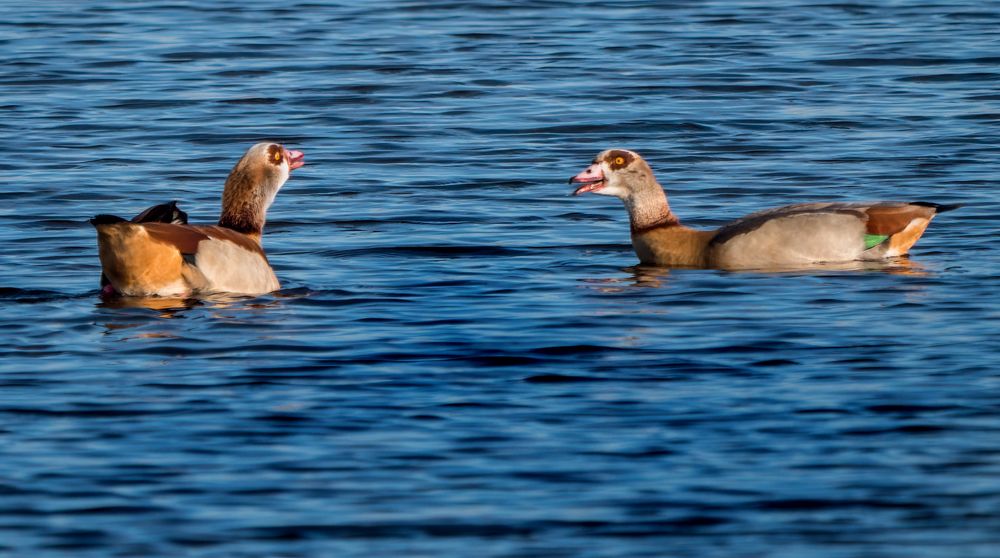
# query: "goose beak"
{"type": "Point", "coordinates": [295, 159]}
{"type": "Point", "coordinates": [592, 180]}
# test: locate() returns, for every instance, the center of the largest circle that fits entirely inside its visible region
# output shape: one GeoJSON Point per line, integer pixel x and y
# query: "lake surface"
{"type": "Point", "coordinates": [462, 360]}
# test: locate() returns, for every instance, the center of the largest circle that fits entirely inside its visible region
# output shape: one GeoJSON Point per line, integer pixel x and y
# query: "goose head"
{"type": "Point", "coordinates": [253, 183]}
{"type": "Point", "coordinates": [615, 172]}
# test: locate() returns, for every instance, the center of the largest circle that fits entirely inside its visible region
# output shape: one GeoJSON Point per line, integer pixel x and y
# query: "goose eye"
{"type": "Point", "coordinates": [619, 161]}
{"type": "Point", "coordinates": [277, 156]}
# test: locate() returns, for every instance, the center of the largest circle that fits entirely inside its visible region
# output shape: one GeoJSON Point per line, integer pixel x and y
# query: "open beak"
{"type": "Point", "coordinates": [592, 180]}
{"type": "Point", "coordinates": [295, 159]}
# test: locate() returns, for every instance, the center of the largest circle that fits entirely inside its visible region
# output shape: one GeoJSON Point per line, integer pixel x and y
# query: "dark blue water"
{"type": "Point", "coordinates": [462, 361]}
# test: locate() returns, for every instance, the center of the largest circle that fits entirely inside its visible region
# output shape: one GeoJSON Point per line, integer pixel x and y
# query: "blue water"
{"type": "Point", "coordinates": [463, 361]}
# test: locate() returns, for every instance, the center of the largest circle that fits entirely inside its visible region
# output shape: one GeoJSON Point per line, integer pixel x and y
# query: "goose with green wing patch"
{"type": "Point", "coordinates": [791, 236]}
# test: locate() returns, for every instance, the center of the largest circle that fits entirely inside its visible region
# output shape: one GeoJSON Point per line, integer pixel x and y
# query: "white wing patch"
{"type": "Point", "coordinates": [226, 267]}
{"type": "Point", "coordinates": [794, 240]}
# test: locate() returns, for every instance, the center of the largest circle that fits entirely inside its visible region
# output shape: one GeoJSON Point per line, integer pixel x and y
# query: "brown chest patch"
{"type": "Point", "coordinates": [672, 246]}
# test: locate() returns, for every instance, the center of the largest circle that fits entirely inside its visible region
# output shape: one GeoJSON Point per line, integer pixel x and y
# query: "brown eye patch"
{"type": "Point", "coordinates": [275, 154]}
{"type": "Point", "coordinates": [619, 159]}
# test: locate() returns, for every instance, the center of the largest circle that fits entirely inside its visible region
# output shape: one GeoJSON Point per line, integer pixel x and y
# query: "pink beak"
{"type": "Point", "coordinates": [592, 179]}
{"type": "Point", "coordinates": [295, 159]}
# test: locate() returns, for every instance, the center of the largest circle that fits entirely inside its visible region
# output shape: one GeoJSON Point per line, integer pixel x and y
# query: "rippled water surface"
{"type": "Point", "coordinates": [462, 361]}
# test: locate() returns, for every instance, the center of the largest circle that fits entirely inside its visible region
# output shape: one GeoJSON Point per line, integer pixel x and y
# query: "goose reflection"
{"type": "Point", "coordinates": [654, 277]}
{"type": "Point", "coordinates": [168, 307]}
{"type": "Point", "coordinates": [901, 265]}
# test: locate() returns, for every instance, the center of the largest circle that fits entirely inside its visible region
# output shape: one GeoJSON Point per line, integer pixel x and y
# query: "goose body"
{"type": "Point", "coordinates": [788, 236]}
{"type": "Point", "coordinates": [158, 253]}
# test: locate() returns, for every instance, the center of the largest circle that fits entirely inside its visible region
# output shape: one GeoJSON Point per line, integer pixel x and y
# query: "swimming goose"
{"type": "Point", "coordinates": [789, 236]}
{"type": "Point", "coordinates": [158, 253]}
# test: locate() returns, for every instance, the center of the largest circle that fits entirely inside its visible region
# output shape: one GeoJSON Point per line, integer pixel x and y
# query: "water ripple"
{"type": "Point", "coordinates": [461, 356]}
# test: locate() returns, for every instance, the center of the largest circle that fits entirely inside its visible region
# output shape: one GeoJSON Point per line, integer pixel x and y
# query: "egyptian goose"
{"type": "Point", "coordinates": [158, 253]}
{"type": "Point", "coordinates": [789, 236]}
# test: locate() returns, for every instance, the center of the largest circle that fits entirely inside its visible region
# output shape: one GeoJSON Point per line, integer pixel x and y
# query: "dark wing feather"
{"type": "Point", "coordinates": [939, 207]}
{"type": "Point", "coordinates": [162, 213]}
{"type": "Point", "coordinates": [105, 219]}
